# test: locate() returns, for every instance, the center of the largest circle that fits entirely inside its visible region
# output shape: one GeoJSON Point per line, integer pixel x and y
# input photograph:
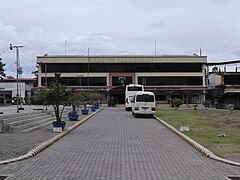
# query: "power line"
{"type": "Point", "coordinates": [26, 59]}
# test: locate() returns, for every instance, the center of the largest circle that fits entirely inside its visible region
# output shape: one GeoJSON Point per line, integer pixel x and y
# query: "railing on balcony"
{"type": "Point", "coordinates": [175, 88]}
{"type": "Point", "coordinates": [90, 88]}
{"type": "Point", "coordinates": [147, 88]}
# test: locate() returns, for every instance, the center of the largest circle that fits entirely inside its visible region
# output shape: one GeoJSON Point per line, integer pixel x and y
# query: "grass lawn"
{"type": "Point", "coordinates": [206, 125]}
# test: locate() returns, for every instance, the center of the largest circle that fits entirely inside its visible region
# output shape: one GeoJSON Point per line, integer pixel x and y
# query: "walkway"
{"type": "Point", "coordinates": [114, 145]}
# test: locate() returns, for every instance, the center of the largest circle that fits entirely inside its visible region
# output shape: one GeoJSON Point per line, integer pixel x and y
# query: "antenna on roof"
{"type": "Point", "coordinates": [155, 50]}
{"type": "Point", "coordinates": [65, 47]}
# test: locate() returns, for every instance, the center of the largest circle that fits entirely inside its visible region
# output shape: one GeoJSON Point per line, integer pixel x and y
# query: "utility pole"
{"type": "Point", "coordinates": [17, 64]}
{"type": "Point", "coordinates": [88, 69]}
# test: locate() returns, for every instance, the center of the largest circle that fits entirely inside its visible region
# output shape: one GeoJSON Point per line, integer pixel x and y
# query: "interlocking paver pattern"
{"type": "Point", "coordinates": [114, 145]}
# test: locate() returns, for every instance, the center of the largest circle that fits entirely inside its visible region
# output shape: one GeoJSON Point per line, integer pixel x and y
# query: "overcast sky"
{"type": "Point", "coordinates": [118, 27]}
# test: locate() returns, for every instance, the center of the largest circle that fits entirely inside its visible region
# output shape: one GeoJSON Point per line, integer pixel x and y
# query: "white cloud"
{"type": "Point", "coordinates": [7, 32]}
{"type": "Point", "coordinates": [118, 27]}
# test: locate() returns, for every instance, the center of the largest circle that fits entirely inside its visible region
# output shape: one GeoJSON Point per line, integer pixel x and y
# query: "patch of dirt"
{"type": "Point", "coordinates": [225, 119]}
{"type": "Point", "coordinates": [227, 147]}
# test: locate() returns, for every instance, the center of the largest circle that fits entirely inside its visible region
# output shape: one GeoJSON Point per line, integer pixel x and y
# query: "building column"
{"type": "Point", "coordinates": [40, 75]}
{"type": "Point", "coordinates": [204, 96]}
{"type": "Point", "coordinates": [107, 81]}
{"type": "Point", "coordinates": [136, 78]}
{"type": "Point", "coordinates": [203, 75]}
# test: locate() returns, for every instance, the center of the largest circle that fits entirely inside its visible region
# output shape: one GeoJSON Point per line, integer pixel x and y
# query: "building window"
{"type": "Point", "coordinates": [164, 81]}
{"type": "Point", "coordinates": [78, 81]}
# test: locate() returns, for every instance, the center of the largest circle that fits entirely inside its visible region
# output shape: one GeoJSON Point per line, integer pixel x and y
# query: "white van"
{"type": "Point", "coordinates": [130, 91]}
{"type": "Point", "coordinates": [144, 103]}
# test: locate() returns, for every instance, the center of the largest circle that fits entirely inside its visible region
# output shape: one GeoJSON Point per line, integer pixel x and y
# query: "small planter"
{"type": "Point", "coordinates": [93, 108]}
{"type": "Point", "coordinates": [96, 106]}
{"type": "Point", "coordinates": [84, 111]}
{"type": "Point", "coordinates": [73, 117]}
{"type": "Point", "coordinates": [61, 124]}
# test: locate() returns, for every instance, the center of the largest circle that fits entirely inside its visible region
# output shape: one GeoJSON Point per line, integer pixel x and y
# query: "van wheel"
{"type": "Point", "coordinates": [133, 113]}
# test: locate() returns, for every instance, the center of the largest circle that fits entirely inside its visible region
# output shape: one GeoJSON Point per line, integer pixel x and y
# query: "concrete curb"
{"type": "Point", "coordinates": [198, 146]}
{"type": "Point", "coordinates": [48, 143]}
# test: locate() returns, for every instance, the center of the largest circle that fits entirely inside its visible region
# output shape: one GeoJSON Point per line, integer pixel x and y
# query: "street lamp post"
{"type": "Point", "coordinates": [17, 64]}
{"type": "Point", "coordinates": [88, 71]}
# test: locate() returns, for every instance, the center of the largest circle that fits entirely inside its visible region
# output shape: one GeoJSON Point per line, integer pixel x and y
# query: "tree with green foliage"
{"type": "Point", "coordinates": [75, 98]}
{"type": "Point", "coordinates": [2, 74]}
{"type": "Point", "coordinates": [57, 96]}
{"type": "Point", "coordinates": [40, 97]}
{"type": "Point", "coordinates": [93, 97]}
{"type": "Point", "coordinates": [206, 103]}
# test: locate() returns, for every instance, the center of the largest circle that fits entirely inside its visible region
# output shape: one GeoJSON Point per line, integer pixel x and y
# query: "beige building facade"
{"type": "Point", "coordinates": [167, 76]}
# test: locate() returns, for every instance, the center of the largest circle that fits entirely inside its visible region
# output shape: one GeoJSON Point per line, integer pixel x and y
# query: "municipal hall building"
{"type": "Point", "coordinates": [166, 76]}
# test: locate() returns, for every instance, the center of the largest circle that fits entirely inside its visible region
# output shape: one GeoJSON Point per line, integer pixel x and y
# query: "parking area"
{"type": "Point", "coordinates": [115, 145]}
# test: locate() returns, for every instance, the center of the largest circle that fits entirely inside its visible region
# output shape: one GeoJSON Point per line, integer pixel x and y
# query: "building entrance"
{"type": "Point", "coordinates": [117, 95]}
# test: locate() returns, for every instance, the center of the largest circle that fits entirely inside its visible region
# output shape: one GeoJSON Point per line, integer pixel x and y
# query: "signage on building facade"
{"type": "Point", "coordinates": [122, 81]}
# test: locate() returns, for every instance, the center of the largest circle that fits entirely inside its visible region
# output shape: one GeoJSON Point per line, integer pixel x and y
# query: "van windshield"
{"type": "Point", "coordinates": [134, 88]}
{"type": "Point", "coordinates": [145, 98]}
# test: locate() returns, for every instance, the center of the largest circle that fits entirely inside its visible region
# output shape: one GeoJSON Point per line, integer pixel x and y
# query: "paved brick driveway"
{"type": "Point", "coordinates": [114, 145]}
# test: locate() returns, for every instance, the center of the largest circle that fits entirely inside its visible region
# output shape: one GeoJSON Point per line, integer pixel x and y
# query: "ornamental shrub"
{"type": "Point", "coordinates": [177, 102]}
{"type": "Point", "coordinates": [206, 103]}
